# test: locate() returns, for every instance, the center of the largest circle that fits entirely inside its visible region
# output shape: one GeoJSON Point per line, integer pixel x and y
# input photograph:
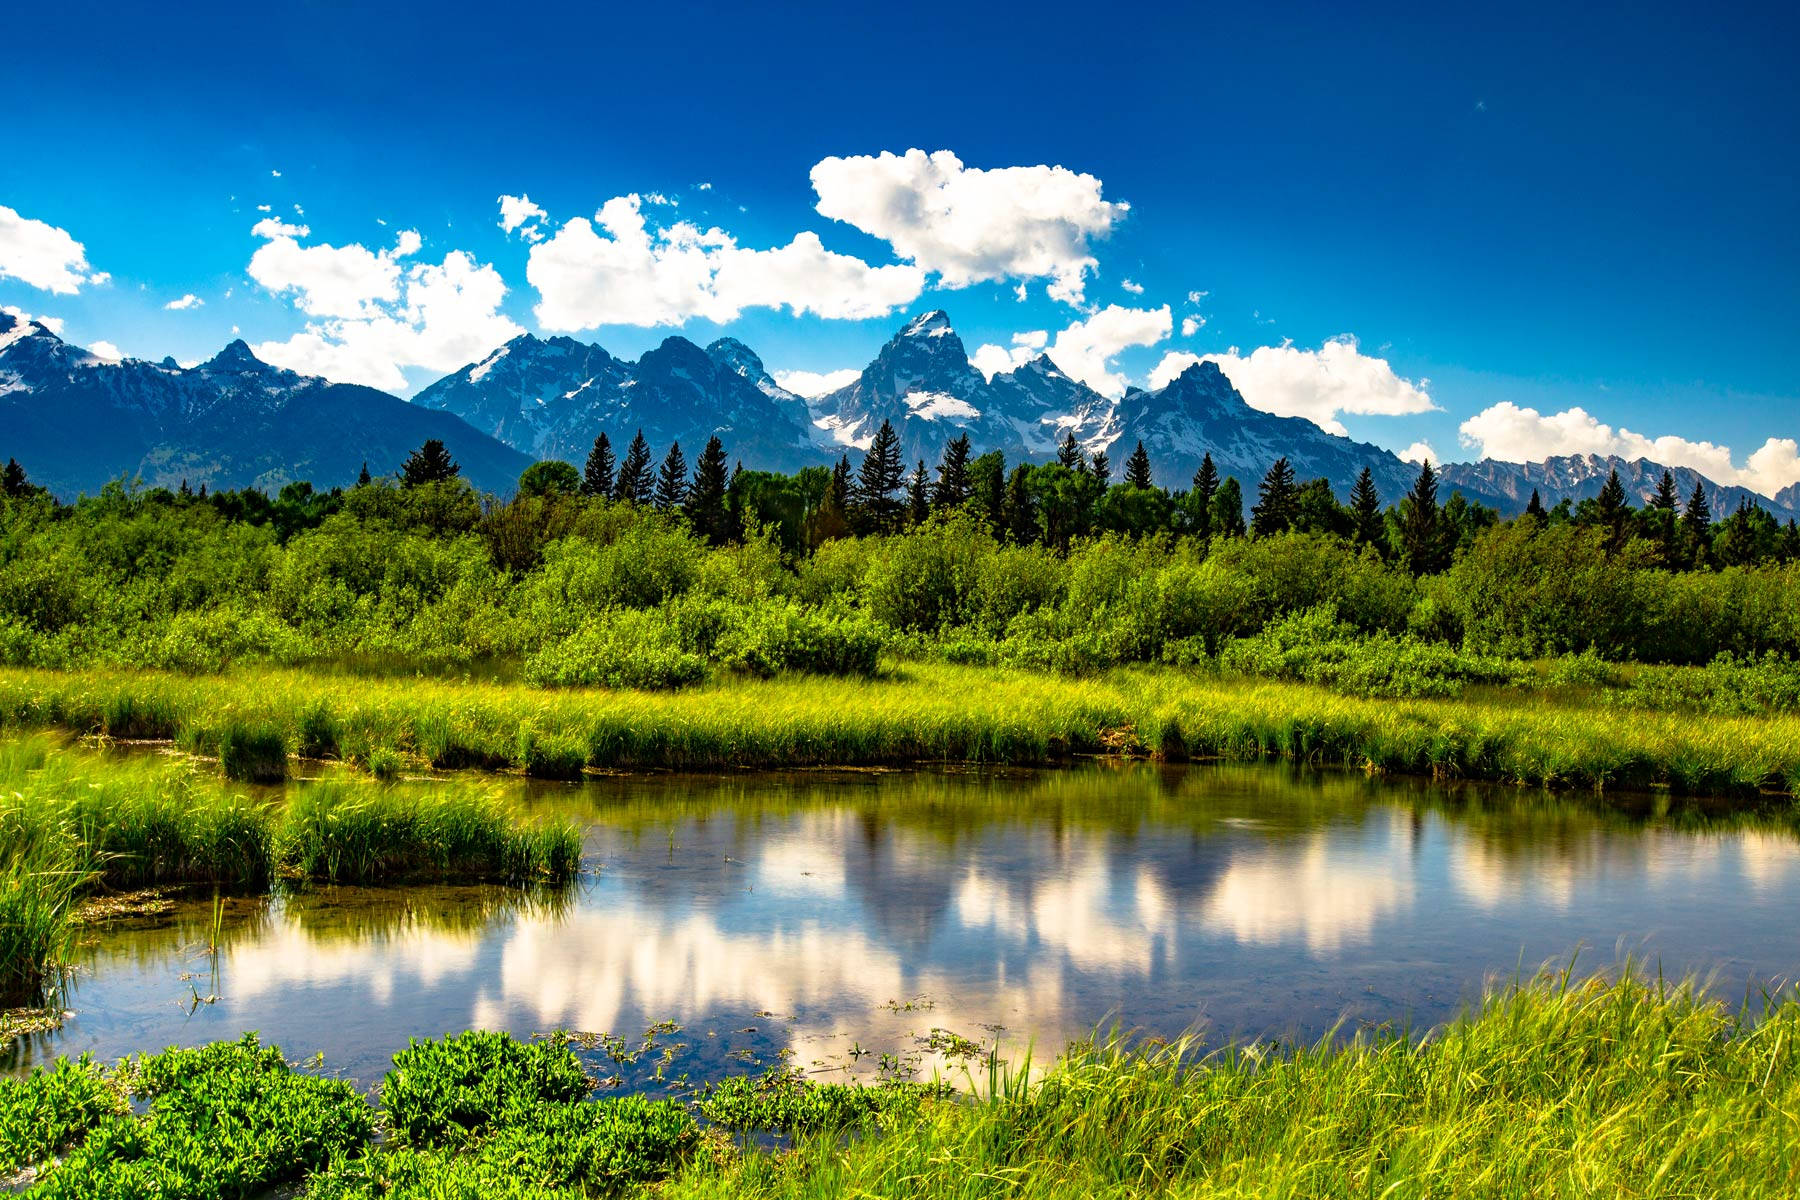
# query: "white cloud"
{"type": "Point", "coordinates": [635, 275]}
{"type": "Point", "coordinates": [1319, 385]}
{"type": "Point", "coordinates": [703, 187]}
{"type": "Point", "coordinates": [969, 225]}
{"type": "Point", "coordinates": [377, 314]}
{"type": "Point", "coordinates": [992, 360]}
{"type": "Point", "coordinates": [1085, 350]}
{"type": "Point", "coordinates": [1420, 452]}
{"type": "Point", "coordinates": [275, 174]}
{"type": "Point", "coordinates": [1192, 325]}
{"type": "Point", "coordinates": [1136, 289]}
{"type": "Point", "coordinates": [275, 227]}
{"type": "Point", "coordinates": [1196, 296]}
{"type": "Point", "coordinates": [53, 324]}
{"type": "Point", "coordinates": [188, 301]}
{"type": "Point", "coordinates": [106, 350]}
{"type": "Point", "coordinates": [43, 256]}
{"type": "Point", "coordinates": [262, 208]}
{"type": "Point", "coordinates": [519, 213]}
{"type": "Point", "coordinates": [814, 383]}
{"type": "Point", "coordinates": [1511, 433]}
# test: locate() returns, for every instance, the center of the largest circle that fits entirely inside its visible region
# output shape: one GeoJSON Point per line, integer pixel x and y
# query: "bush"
{"type": "Point", "coordinates": [776, 637]}
{"type": "Point", "coordinates": [1316, 647]}
{"type": "Point", "coordinates": [618, 650]}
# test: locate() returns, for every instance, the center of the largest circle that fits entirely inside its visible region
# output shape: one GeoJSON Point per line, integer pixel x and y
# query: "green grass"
{"type": "Point", "coordinates": [1558, 1087]}
{"type": "Point", "coordinates": [938, 712]}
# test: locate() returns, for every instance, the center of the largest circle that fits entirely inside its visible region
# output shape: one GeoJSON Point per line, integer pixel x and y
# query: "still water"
{"type": "Point", "coordinates": [827, 919]}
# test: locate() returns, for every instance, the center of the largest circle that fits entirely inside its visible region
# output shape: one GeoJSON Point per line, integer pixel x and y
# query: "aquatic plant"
{"type": "Point", "coordinates": [451, 1091]}
{"type": "Point", "coordinates": [257, 753]}
{"type": "Point", "coordinates": [48, 1111]}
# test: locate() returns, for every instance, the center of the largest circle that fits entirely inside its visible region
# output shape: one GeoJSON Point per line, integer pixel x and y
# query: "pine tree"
{"type": "Point", "coordinates": [1206, 486]}
{"type": "Point", "coordinates": [918, 495]}
{"type": "Point", "coordinates": [953, 485]}
{"type": "Point", "coordinates": [1069, 453]}
{"type": "Point", "coordinates": [1365, 510]}
{"type": "Point", "coordinates": [12, 479]}
{"type": "Point", "coordinates": [1536, 507]}
{"type": "Point", "coordinates": [184, 491]}
{"type": "Point", "coordinates": [1696, 524]}
{"type": "Point", "coordinates": [362, 478]}
{"type": "Point", "coordinates": [1226, 512]}
{"type": "Point", "coordinates": [1137, 469]}
{"type": "Point", "coordinates": [1021, 521]}
{"type": "Point", "coordinates": [832, 518]}
{"type": "Point", "coordinates": [1665, 498]}
{"type": "Point", "coordinates": [706, 509]}
{"type": "Point", "coordinates": [671, 481]}
{"type": "Point", "coordinates": [1421, 532]}
{"type": "Point", "coordinates": [1612, 511]}
{"type": "Point", "coordinates": [430, 463]}
{"type": "Point", "coordinates": [881, 474]}
{"type": "Point", "coordinates": [597, 475]}
{"type": "Point", "coordinates": [635, 482]}
{"type": "Point", "coordinates": [1277, 502]}
{"type": "Point", "coordinates": [1101, 468]}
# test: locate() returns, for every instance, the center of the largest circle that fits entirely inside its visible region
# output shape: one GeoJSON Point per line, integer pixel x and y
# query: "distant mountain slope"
{"type": "Point", "coordinates": [76, 421]}
{"type": "Point", "coordinates": [550, 399]}
{"type": "Point", "coordinates": [1581, 476]}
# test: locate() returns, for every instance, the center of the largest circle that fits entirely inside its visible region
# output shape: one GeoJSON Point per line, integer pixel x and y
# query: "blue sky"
{"type": "Point", "coordinates": [1514, 214]}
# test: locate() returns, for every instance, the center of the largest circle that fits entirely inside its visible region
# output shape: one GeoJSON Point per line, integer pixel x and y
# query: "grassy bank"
{"type": "Point", "coordinates": [73, 822]}
{"type": "Point", "coordinates": [1555, 1088]}
{"type": "Point", "coordinates": [924, 712]}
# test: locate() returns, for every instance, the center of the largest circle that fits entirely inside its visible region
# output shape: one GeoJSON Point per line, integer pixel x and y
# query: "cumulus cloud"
{"type": "Point", "coordinates": [1319, 385]}
{"type": "Point", "coordinates": [1512, 433]}
{"type": "Point", "coordinates": [1420, 452]}
{"type": "Point", "coordinates": [1192, 325]}
{"type": "Point", "coordinates": [1086, 349]}
{"type": "Point", "coordinates": [520, 214]}
{"type": "Point", "coordinates": [43, 256]}
{"type": "Point", "coordinates": [969, 225]}
{"type": "Point", "coordinates": [188, 301]}
{"type": "Point", "coordinates": [106, 350]}
{"type": "Point", "coordinates": [992, 360]}
{"type": "Point", "coordinates": [378, 314]}
{"type": "Point", "coordinates": [1136, 289]}
{"type": "Point", "coordinates": [815, 383]}
{"type": "Point", "coordinates": [626, 273]}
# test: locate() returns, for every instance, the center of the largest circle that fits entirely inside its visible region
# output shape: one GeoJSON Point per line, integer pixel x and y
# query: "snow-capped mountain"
{"type": "Point", "coordinates": [77, 421]}
{"type": "Point", "coordinates": [550, 399]}
{"type": "Point", "coordinates": [1581, 476]}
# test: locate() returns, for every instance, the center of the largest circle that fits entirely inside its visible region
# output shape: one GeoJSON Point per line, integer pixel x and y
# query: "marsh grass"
{"type": "Point", "coordinates": [925, 712]}
{"type": "Point", "coordinates": [256, 752]}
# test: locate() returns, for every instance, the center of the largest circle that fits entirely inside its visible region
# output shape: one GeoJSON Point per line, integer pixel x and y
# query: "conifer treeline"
{"type": "Point", "coordinates": [1054, 503]}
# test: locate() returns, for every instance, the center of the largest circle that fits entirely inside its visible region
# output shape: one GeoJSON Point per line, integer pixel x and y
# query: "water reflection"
{"type": "Point", "coordinates": [819, 913]}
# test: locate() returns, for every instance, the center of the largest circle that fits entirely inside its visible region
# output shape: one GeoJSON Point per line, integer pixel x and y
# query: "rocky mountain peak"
{"type": "Point", "coordinates": [236, 356]}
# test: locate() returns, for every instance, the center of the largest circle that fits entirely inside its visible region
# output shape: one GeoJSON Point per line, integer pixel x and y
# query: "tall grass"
{"type": "Point", "coordinates": [1557, 1088]}
{"type": "Point", "coordinates": [939, 712]}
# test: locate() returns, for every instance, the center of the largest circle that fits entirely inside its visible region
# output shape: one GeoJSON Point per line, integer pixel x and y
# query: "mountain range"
{"type": "Point", "coordinates": [77, 421]}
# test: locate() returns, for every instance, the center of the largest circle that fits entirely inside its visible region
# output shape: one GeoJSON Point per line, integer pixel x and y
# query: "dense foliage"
{"type": "Point", "coordinates": [573, 583]}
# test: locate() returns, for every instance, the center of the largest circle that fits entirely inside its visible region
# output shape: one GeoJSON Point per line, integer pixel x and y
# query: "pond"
{"type": "Point", "coordinates": [829, 919]}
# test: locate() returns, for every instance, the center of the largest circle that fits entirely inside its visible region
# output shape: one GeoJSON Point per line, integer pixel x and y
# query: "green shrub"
{"type": "Point", "coordinates": [625, 649]}
{"type": "Point", "coordinates": [1316, 647]}
{"type": "Point", "coordinates": [452, 1091]}
{"type": "Point", "coordinates": [775, 637]}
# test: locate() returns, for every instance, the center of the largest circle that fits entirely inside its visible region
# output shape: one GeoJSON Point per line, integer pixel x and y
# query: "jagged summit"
{"type": "Point", "coordinates": [935, 323]}
{"type": "Point", "coordinates": [236, 356]}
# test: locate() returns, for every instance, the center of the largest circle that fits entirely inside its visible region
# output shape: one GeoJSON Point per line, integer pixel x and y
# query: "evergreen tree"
{"type": "Point", "coordinates": [1536, 507]}
{"type": "Point", "coordinates": [1421, 531]}
{"type": "Point", "coordinates": [184, 491]}
{"type": "Point", "coordinates": [597, 475]}
{"type": "Point", "coordinates": [1277, 500]}
{"type": "Point", "coordinates": [13, 481]}
{"type": "Point", "coordinates": [1665, 498]}
{"type": "Point", "coordinates": [881, 474]}
{"type": "Point", "coordinates": [918, 495]}
{"type": "Point", "coordinates": [1069, 453]}
{"type": "Point", "coordinates": [987, 484]}
{"type": "Point", "coordinates": [362, 478]}
{"type": "Point", "coordinates": [1021, 520]}
{"type": "Point", "coordinates": [1612, 511]}
{"type": "Point", "coordinates": [1101, 468]}
{"type": "Point", "coordinates": [1226, 512]}
{"type": "Point", "coordinates": [1206, 486]}
{"type": "Point", "coordinates": [706, 508]}
{"type": "Point", "coordinates": [832, 518]}
{"type": "Point", "coordinates": [1696, 525]}
{"type": "Point", "coordinates": [430, 463]}
{"type": "Point", "coordinates": [953, 484]}
{"type": "Point", "coordinates": [671, 481]}
{"type": "Point", "coordinates": [1365, 510]}
{"type": "Point", "coordinates": [1137, 468]}
{"type": "Point", "coordinates": [635, 483]}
